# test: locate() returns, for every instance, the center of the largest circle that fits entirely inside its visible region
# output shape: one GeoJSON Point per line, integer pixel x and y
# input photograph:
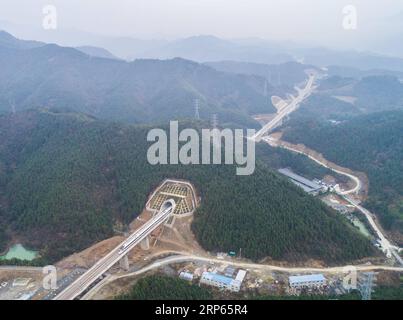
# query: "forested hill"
{"type": "Point", "coordinates": [287, 74]}
{"type": "Point", "coordinates": [161, 287]}
{"type": "Point", "coordinates": [66, 179]}
{"type": "Point", "coordinates": [371, 143]}
{"type": "Point", "coordinates": [373, 93]}
{"type": "Point", "coordinates": [136, 92]}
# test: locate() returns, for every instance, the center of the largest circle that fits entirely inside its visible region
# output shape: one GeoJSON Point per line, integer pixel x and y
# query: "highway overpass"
{"type": "Point", "coordinates": [291, 107]}
{"type": "Point", "coordinates": [120, 252]}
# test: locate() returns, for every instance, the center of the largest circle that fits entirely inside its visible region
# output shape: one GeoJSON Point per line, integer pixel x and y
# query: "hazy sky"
{"type": "Point", "coordinates": [310, 21]}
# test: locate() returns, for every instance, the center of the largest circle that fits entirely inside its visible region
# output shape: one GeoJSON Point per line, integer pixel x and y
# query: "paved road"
{"type": "Point", "coordinates": [104, 264]}
{"type": "Point", "coordinates": [357, 181]}
{"type": "Point", "coordinates": [387, 247]}
{"type": "Point", "coordinates": [247, 265]}
{"type": "Point", "coordinates": [254, 266]}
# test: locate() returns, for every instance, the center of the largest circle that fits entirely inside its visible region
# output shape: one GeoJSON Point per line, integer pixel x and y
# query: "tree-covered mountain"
{"type": "Point", "coordinates": [370, 143]}
{"type": "Point", "coordinates": [377, 93]}
{"type": "Point", "coordinates": [351, 72]}
{"type": "Point", "coordinates": [141, 91]}
{"type": "Point", "coordinates": [161, 287]}
{"type": "Point", "coordinates": [194, 48]}
{"type": "Point", "coordinates": [340, 98]}
{"type": "Point", "coordinates": [354, 59]}
{"type": "Point", "coordinates": [336, 82]}
{"type": "Point", "coordinates": [323, 107]}
{"type": "Point", "coordinates": [370, 93]}
{"type": "Point", "coordinates": [66, 179]}
{"type": "Point", "coordinates": [96, 52]}
{"type": "Point", "coordinates": [286, 74]}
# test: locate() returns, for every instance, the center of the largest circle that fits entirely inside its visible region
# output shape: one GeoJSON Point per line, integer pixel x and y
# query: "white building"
{"type": "Point", "coordinates": [240, 276]}
{"type": "Point", "coordinates": [220, 281]}
{"type": "Point", "coordinates": [186, 276]}
{"type": "Point", "coordinates": [307, 281]}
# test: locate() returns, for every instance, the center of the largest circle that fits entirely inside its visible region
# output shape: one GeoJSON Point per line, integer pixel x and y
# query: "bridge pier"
{"type": "Point", "coordinates": [169, 225]}
{"type": "Point", "coordinates": [145, 244]}
{"type": "Point", "coordinates": [124, 263]}
{"type": "Point", "coordinates": [119, 254]}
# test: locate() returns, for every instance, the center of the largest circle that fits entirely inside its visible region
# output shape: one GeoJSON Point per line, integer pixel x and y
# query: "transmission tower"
{"type": "Point", "coordinates": [197, 115]}
{"type": "Point", "coordinates": [366, 284]}
{"type": "Point", "coordinates": [12, 104]}
{"type": "Point", "coordinates": [214, 121]}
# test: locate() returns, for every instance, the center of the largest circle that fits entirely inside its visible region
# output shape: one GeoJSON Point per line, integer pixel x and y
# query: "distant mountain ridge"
{"type": "Point", "coordinates": [8, 41]}
{"type": "Point", "coordinates": [96, 52]}
{"type": "Point", "coordinates": [140, 91]}
{"type": "Point", "coordinates": [284, 74]}
{"type": "Point", "coordinates": [207, 48]}
{"type": "Point", "coordinates": [371, 93]}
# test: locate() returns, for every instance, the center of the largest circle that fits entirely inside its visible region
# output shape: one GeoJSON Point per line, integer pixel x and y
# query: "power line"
{"type": "Point", "coordinates": [214, 120]}
{"type": "Point", "coordinates": [197, 115]}
{"type": "Point", "coordinates": [366, 284]}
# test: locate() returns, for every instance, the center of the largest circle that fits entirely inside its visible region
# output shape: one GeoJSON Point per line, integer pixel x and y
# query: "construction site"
{"type": "Point", "coordinates": [182, 192]}
{"type": "Point", "coordinates": [174, 251]}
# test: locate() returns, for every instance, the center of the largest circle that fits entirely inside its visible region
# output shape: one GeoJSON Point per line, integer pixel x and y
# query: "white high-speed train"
{"type": "Point", "coordinates": [168, 205]}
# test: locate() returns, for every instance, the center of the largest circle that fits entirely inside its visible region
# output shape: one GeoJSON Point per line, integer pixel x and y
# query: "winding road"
{"type": "Point", "coordinates": [185, 257]}
{"type": "Point", "coordinates": [386, 246]}
{"type": "Point", "coordinates": [357, 182]}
